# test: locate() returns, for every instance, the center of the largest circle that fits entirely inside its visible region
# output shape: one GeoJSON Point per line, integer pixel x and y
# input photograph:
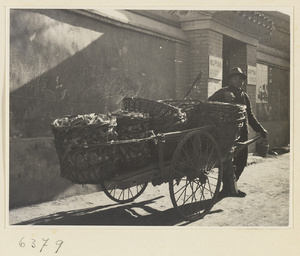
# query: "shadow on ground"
{"type": "Point", "coordinates": [131, 214]}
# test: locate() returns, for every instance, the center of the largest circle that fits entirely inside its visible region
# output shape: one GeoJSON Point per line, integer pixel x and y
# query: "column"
{"type": "Point", "coordinates": [203, 43]}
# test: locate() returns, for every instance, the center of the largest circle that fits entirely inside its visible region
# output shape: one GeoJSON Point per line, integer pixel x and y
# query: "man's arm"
{"type": "Point", "coordinates": [253, 122]}
{"type": "Point", "coordinates": [217, 96]}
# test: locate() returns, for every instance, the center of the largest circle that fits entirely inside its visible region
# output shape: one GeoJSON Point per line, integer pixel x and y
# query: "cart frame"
{"type": "Point", "coordinates": [194, 173]}
{"type": "Point", "coordinates": [126, 187]}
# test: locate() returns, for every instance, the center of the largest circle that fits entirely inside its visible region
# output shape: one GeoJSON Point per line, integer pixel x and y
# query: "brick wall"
{"type": "Point", "coordinates": [202, 44]}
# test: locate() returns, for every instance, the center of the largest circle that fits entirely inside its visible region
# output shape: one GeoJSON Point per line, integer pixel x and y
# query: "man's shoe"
{"type": "Point", "coordinates": [239, 194]}
{"type": "Point", "coordinates": [225, 193]}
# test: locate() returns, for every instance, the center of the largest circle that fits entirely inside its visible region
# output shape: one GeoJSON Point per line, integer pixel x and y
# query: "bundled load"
{"type": "Point", "coordinates": [86, 149]}
{"type": "Point", "coordinates": [132, 125]}
{"type": "Point", "coordinates": [186, 106]}
{"type": "Point", "coordinates": [163, 117]}
{"type": "Point", "coordinates": [83, 147]}
{"type": "Point", "coordinates": [96, 147]}
{"type": "Point", "coordinates": [226, 119]}
{"type": "Point", "coordinates": [82, 120]}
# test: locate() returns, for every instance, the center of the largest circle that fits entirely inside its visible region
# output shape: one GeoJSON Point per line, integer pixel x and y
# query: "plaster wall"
{"type": "Point", "coordinates": [65, 63]}
{"type": "Point", "coordinates": [34, 175]}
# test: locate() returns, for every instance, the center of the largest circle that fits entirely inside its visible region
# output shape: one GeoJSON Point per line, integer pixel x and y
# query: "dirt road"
{"type": "Point", "coordinates": [265, 180]}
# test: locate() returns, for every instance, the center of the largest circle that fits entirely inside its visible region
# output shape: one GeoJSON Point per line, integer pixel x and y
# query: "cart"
{"type": "Point", "coordinates": [194, 173]}
{"type": "Point", "coordinates": [193, 168]}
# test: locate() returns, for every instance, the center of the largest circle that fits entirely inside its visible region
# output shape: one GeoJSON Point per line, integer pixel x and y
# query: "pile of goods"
{"type": "Point", "coordinates": [86, 149]}
{"type": "Point", "coordinates": [94, 147]}
{"type": "Point", "coordinates": [83, 147]}
{"type": "Point", "coordinates": [186, 106]}
{"type": "Point", "coordinates": [226, 120]}
{"type": "Point", "coordinates": [163, 117]}
{"type": "Point", "coordinates": [132, 125]}
{"type": "Point", "coordinates": [82, 120]}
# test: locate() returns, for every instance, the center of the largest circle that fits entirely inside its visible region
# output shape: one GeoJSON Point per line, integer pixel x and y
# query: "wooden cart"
{"type": "Point", "coordinates": [194, 172]}
{"type": "Point", "coordinates": [189, 157]}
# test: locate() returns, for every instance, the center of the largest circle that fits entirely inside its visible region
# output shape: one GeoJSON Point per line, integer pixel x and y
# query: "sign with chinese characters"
{"type": "Point", "coordinates": [251, 73]}
{"type": "Point", "coordinates": [215, 68]}
{"type": "Point", "coordinates": [261, 83]}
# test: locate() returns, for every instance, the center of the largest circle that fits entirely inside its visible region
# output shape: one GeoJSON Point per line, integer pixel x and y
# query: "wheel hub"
{"type": "Point", "coordinates": [203, 178]}
{"type": "Point", "coordinates": [191, 176]}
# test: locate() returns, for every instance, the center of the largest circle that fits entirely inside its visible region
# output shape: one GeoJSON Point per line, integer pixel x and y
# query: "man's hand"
{"type": "Point", "coordinates": [264, 133]}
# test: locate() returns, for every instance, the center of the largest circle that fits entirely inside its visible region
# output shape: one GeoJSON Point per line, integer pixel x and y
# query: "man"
{"type": "Point", "coordinates": [233, 93]}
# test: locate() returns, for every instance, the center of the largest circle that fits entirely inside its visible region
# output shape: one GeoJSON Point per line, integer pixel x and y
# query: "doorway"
{"type": "Point", "coordinates": [232, 56]}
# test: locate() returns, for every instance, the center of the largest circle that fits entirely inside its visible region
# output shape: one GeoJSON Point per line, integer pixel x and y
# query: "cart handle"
{"type": "Point", "coordinates": [202, 128]}
{"type": "Point", "coordinates": [248, 142]}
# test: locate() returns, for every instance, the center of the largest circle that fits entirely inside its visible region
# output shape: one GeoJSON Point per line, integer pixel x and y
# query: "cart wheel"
{"type": "Point", "coordinates": [121, 195]}
{"type": "Point", "coordinates": [196, 175]}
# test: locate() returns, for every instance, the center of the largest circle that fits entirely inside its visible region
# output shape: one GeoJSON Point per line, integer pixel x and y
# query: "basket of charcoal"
{"type": "Point", "coordinates": [83, 146]}
{"type": "Point", "coordinates": [186, 106]}
{"type": "Point", "coordinates": [163, 117]}
{"type": "Point", "coordinates": [132, 126]}
{"type": "Point", "coordinates": [226, 119]}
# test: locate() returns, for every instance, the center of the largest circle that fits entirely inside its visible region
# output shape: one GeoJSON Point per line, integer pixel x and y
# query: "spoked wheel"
{"type": "Point", "coordinates": [122, 195]}
{"type": "Point", "coordinates": [196, 175]}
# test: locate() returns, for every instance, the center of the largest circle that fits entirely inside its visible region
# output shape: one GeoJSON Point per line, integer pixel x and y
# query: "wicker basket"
{"type": "Point", "coordinates": [227, 120]}
{"type": "Point", "coordinates": [152, 107]}
{"type": "Point", "coordinates": [185, 106]}
{"type": "Point", "coordinates": [163, 117]}
{"type": "Point", "coordinates": [132, 126]}
{"type": "Point", "coordinates": [89, 166]}
{"type": "Point", "coordinates": [80, 161]}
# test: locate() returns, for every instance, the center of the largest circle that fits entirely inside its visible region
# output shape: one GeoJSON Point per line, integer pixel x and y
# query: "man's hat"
{"type": "Point", "coordinates": [237, 71]}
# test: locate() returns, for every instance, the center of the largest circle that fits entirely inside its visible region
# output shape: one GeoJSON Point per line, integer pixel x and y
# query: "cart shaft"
{"type": "Point", "coordinates": [248, 142]}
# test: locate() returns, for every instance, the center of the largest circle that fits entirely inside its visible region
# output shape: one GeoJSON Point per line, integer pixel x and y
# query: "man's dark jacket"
{"type": "Point", "coordinates": [241, 97]}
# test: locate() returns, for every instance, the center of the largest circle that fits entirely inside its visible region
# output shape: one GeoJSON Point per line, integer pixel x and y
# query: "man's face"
{"type": "Point", "coordinates": [236, 81]}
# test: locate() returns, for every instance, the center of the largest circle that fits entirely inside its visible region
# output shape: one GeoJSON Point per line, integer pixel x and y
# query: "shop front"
{"type": "Point", "coordinates": [258, 43]}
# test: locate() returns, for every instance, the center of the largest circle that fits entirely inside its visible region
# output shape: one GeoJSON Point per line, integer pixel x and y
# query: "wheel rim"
{"type": "Point", "coordinates": [122, 195]}
{"type": "Point", "coordinates": [196, 175]}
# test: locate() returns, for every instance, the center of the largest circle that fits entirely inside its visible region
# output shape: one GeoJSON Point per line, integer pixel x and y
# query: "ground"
{"type": "Point", "coordinates": [267, 204]}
